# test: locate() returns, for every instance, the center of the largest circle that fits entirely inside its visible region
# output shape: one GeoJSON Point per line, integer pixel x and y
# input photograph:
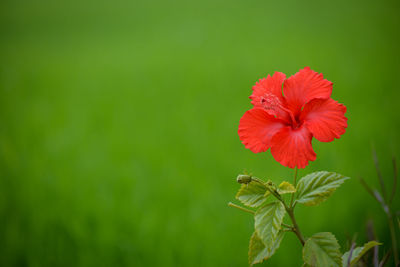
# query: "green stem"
{"type": "Point", "coordinates": [289, 210]}
{"type": "Point", "coordinates": [288, 230]}
{"type": "Point", "coordinates": [393, 237]}
{"type": "Point", "coordinates": [295, 225]}
{"type": "Point", "coordinates": [288, 226]}
{"type": "Point", "coordinates": [295, 181]}
{"type": "Point", "coordinates": [255, 179]}
{"type": "Point", "coordinates": [230, 204]}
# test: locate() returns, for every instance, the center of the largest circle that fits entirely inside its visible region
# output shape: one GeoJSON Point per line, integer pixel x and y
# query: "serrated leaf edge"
{"type": "Point", "coordinates": [338, 259]}
{"type": "Point", "coordinates": [276, 222]}
{"type": "Point", "coordinates": [274, 248]}
{"type": "Point", "coordinates": [256, 204]}
{"type": "Point", "coordinates": [323, 196]}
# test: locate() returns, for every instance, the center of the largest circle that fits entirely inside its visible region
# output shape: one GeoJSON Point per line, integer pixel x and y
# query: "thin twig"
{"type": "Point", "coordinates": [385, 203]}
{"type": "Point", "coordinates": [378, 172]}
{"type": "Point", "coordinates": [230, 204]}
{"type": "Point", "coordinates": [388, 212]}
{"type": "Point", "coordinates": [385, 259]}
{"type": "Point", "coordinates": [394, 188]}
{"type": "Point", "coordinates": [258, 180]}
{"type": "Point", "coordinates": [371, 236]}
{"type": "Point", "coordinates": [350, 253]}
{"type": "Point", "coordinates": [296, 226]}
{"type": "Point", "coordinates": [288, 226]}
{"type": "Point", "coordinates": [394, 241]}
{"type": "Point", "coordinates": [385, 207]}
{"type": "Point", "coordinates": [288, 230]}
{"type": "Point", "coordinates": [367, 188]}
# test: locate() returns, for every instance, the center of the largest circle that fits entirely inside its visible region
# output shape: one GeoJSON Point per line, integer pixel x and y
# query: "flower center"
{"type": "Point", "coordinates": [270, 102]}
{"type": "Point", "coordinates": [275, 107]}
{"type": "Point", "coordinates": [295, 122]}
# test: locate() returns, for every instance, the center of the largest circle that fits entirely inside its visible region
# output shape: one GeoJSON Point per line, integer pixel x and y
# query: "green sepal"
{"type": "Point", "coordinates": [316, 187]}
{"type": "Point", "coordinates": [244, 179]}
{"type": "Point", "coordinates": [286, 188]}
{"type": "Point", "coordinates": [357, 253]}
{"type": "Point", "coordinates": [258, 252]}
{"type": "Point", "coordinates": [267, 193]}
{"type": "Point", "coordinates": [322, 249]}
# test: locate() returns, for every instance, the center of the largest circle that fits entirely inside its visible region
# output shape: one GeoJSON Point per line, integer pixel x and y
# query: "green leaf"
{"type": "Point", "coordinates": [357, 253]}
{"type": "Point", "coordinates": [322, 249]}
{"type": "Point", "coordinates": [268, 220]}
{"type": "Point", "coordinates": [317, 187]}
{"type": "Point", "coordinates": [285, 188]}
{"type": "Point", "coordinates": [252, 194]}
{"type": "Point", "coordinates": [258, 252]}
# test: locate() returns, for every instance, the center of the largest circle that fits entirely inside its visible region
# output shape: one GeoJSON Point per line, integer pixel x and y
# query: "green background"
{"type": "Point", "coordinates": [118, 125]}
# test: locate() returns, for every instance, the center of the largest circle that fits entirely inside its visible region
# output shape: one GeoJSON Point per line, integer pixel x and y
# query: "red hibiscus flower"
{"type": "Point", "coordinates": [288, 113]}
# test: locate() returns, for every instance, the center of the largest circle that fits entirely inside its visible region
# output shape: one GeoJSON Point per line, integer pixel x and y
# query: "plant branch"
{"type": "Point", "coordinates": [288, 230]}
{"type": "Point", "coordinates": [350, 253]}
{"type": "Point", "coordinates": [371, 236]}
{"type": "Point", "coordinates": [385, 207]}
{"type": "Point", "coordinates": [378, 172]}
{"type": "Point", "coordinates": [394, 180]}
{"type": "Point", "coordinates": [288, 226]}
{"type": "Point", "coordinates": [230, 204]}
{"type": "Point", "coordinates": [289, 210]}
{"type": "Point", "coordinates": [367, 188]}
{"type": "Point", "coordinates": [296, 226]}
{"type": "Point", "coordinates": [385, 259]}
{"type": "Point", "coordinates": [389, 215]}
{"type": "Point", "coordinates": [393, 236]}
{"type": "Point", "coordinates": [255, 179]}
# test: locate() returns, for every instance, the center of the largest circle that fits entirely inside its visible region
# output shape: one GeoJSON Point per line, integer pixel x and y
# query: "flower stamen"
{"type": "Point", "coordinates": [272, 103]}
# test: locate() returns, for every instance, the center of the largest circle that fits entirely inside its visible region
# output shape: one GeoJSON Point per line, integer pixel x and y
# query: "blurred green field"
{"type": "Point", "coordinates": [118, 125]}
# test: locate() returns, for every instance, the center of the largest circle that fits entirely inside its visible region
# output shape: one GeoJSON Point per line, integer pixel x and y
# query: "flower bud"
{"type": "Point", "coordinates": [243, 179]}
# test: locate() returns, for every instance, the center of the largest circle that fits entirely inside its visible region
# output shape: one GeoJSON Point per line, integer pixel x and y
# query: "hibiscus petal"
{"type": "Point", "coordinates": [292, 147]}
{"type": "Point", "coordinates": [325, 119]}
{"type": "Point", "coordinates": [270, 85]}
{"type": "Point", "coordinates": [256, 129]}
{"type": "Point", "coordinates": [304, 86]}
{"type": "Point", "coordinates": [267, 94]}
